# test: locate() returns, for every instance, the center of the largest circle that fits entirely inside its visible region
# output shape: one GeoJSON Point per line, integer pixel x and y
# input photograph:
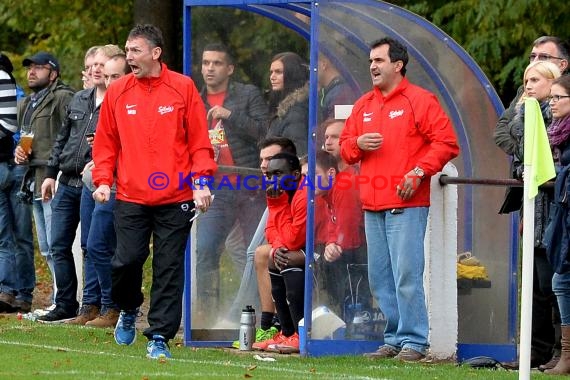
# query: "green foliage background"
{"type": "Point", "coordinates": [65, 28]}
{"type": "Point", "coordinates": [496, 33]}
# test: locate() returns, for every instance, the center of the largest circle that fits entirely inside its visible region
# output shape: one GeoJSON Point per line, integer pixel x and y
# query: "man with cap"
{"type": "Point", "coordinates": [42, 114]}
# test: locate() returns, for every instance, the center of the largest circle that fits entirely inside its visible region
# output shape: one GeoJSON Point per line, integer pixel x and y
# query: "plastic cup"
{"type": "Point", "coordinates": [26, 140]}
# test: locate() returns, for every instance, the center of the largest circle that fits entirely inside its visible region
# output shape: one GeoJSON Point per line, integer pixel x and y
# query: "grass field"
{"type": "Point", "coordinates": [30, 350]}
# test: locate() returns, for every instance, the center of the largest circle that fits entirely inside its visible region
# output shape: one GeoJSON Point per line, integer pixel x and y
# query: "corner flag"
{"type": "Point", "coordinates": [537, 152]}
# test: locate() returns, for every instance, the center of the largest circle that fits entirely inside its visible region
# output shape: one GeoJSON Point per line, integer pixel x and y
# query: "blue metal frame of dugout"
{"type": "Point", "coordinates": [435, 55]}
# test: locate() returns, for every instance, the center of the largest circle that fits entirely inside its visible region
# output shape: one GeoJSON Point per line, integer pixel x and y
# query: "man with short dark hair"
{"type": "Point", "coordinates": [285, 232]}
{"type": "Point", "coordinates": [398, 131]}
{"type": "Point", "coordinates": [236, 114]}
{"type": "Point", "coordinates": [152, 121]}
{"type": "Point", "coordinates": [42, 113]}
{"type": "Point", "coordinates": [255, 285]}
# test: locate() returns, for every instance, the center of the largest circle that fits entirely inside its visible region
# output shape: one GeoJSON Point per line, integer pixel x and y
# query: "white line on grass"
{"type": "Point", "coordinates": [273, 366]}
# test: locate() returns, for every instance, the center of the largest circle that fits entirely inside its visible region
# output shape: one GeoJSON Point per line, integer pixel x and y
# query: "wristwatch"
{"type": "Point", "coordinates": [419, 172]}
{"type": "Point", "coordinates": [201, 181]}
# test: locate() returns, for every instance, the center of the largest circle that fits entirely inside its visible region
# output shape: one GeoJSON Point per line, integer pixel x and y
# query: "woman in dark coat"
{"type": "Point", "coordinates": [289, 99]}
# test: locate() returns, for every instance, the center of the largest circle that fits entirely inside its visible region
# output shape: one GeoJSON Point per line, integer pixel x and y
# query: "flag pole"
{"type": "Point", "coordinates": [538, 168]}
{"type": "Point", "coordinates": [527, 279]}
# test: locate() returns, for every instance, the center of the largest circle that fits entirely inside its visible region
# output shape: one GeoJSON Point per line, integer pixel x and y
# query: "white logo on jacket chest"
{"type": "Point", "coordinates": [367, 116]}
{"type": "Point", "coordinates": [394, 114]}
{"type": "Point", "coordinates": [165, 109]}
{"type": "Point", "coordinates": [130, 109]}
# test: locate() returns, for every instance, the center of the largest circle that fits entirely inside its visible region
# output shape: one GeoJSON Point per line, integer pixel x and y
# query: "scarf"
{"type": "Point", "coordinates": [558, 133]}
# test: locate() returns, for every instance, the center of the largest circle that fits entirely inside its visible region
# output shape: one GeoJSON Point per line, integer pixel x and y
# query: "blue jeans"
{"type": "Point", "coordinates": [42, 221]}
{"type": "Point", "coordinates": [65, 219]}
{"type": "Point", "coordinates": [561, 287]}
{"type": "Point", "coordinates": [99, 241]}
{"type": "Point", "coordinates": [17, 270]}
{"type": "Point", "coordinates": [395, 271]}
{"type": "Point", "coordinates": [248, 293]}
{"type": "Point", "coordinates": [212, 231]}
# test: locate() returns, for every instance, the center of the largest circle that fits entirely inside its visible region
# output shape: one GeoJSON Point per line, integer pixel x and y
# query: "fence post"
{"type": "Point", "coordinates": [441, 267]}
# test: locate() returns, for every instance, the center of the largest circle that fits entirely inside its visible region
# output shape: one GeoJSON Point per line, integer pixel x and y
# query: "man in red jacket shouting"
{"type": "Point", "coordinates": [401, 136]}
{"type": "Point", "coordinates": [153, 134]}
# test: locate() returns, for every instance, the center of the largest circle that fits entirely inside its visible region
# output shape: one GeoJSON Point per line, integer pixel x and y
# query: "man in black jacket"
{"type": "Point", "coordinates": [70, 154]}
{"type": "Point", "coordinates": [236, 115]}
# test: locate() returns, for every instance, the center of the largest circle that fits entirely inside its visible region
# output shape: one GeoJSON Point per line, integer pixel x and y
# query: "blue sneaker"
{"type": "Point", "coordinates": [157, 348]}
{"type": "Point", "coordinates": [125, 330]}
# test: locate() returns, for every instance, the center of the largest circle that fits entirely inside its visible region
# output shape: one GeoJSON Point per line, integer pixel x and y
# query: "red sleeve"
{"type": "Point", "coordinates": [290, 222]}
{"type": "Point", "coordinates": [437, 128]}
{"type": "Point", "coordinates": [199, 145]}
{"type": "Point", "coordinates": [270, 230]}
{"type": "Point", "coordinates": [349, 150]}
{"type": "Point", "coordinates": [349, 220]}
{"type": "Point", "coordinates": [107, 144]}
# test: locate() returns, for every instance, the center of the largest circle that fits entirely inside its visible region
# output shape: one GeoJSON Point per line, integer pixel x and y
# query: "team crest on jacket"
{"type": "Point", "coordinates": [395, 114]}
{"type": "Point", "coordinates": [165, 109]}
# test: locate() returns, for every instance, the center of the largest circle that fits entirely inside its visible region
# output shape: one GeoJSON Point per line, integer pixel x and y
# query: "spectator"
{"type": "Point", "coordinates": [152, 120]}
{"type": "Point", "coordinates": [399, 131]}
{"type": "Point", "coordinates": [289, 99]}
{"type": "Point", "coordinates": [333, 91]}
{"type": "Point", "coordinates": [285, 232]}
{"type": "Point", "coordinates": [41, 113]}
{"type": "Point", "coordinates": [17, 272]}
{"type": "Point", "coordinates": [98, 219]}
{"type": "Point", "coordinates": [344, 242]}
{"type": "Point", "coordinates": [509, 134]}
{"type": "Point", "coordinates": [559, 138]}
{"type": "Point", "coordinates": [236, 113]}
{"type": "Point", "coordinates": [70, 154]}
{"type": "Point", "coordinates": [86, 73]}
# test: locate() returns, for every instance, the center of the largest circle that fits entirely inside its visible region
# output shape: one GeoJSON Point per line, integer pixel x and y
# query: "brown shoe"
{"type": "Point", "coordinates": [86, 314]}
{"type": "Point", "coordinates": [552, 363]}
{"type": "Point", "coordinates": [409, 355]}
{"type": "Point", "coordinates": [384, 352]}
{"type": "Point", "coordinates": [23, 306]}
{"type": "Point", "coordinates": [7, 303]}
{"type": "Point", "coordinates": [109, 319]}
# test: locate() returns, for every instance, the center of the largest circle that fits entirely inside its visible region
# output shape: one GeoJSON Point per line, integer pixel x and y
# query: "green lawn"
{"type": "Point", "coordinates": [30, 350]}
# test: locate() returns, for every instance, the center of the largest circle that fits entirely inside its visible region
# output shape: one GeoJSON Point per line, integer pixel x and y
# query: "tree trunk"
{"type": "Point", "coordinates": [167, 15]}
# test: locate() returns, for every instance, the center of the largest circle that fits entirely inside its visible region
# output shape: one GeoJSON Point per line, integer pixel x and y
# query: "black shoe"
{"type": "Point", "coordinates": [23, 306]}
{"type": "Point", "coordinates": [57, 315]}
{"type": "Point", "coordinates": [7, 303]}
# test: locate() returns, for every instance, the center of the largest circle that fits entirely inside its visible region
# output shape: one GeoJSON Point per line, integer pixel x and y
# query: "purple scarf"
{"type": "Point", "coordinates": [558, 133]}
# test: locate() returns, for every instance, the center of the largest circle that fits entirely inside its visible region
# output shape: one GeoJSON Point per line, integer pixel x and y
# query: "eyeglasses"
{"type": "Point", "coordinates": [556, 98]}
{"type": "Point", "coordinates": [542, 57]}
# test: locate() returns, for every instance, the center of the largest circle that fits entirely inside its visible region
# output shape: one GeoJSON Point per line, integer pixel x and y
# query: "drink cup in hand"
{"type": "Point", "coordinates": [26, 140]}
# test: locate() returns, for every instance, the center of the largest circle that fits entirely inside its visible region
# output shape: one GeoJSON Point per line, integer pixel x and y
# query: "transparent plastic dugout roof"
{"type": "Point", "coordinates": [342, 31]}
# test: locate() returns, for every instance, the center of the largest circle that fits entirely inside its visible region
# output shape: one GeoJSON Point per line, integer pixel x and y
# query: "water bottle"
{"type": "Point", "coordinates": [247, 329]}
